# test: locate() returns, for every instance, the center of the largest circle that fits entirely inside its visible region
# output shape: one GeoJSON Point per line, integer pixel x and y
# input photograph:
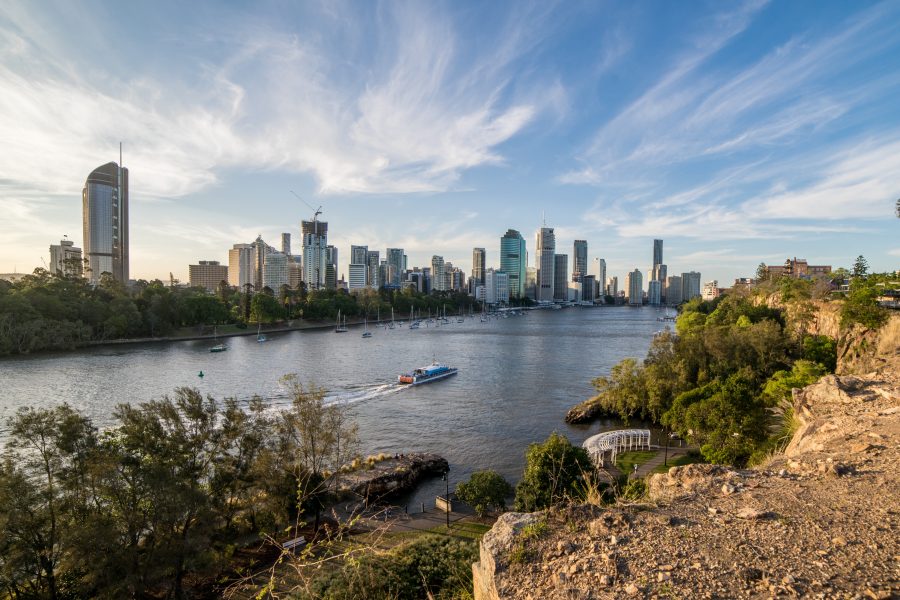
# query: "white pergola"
{"type": "Point", "coordinates": [615, 442]}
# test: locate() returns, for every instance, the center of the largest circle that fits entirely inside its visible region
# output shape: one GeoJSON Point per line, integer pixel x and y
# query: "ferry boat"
{"type": "Point", "coordinates": [432, 372]}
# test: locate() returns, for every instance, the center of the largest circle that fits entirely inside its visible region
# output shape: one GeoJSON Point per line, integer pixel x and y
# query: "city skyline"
{"type": "Point", "coordinates": [766, 130]}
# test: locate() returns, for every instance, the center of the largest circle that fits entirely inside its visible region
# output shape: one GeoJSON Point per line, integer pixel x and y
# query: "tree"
{"type": "Point", "coordinates": [762, 272]}
{"type": "Point", "coordinates": [554, 472]}
{"type": "Point", "coordinates": [860, 266]}
{"type": "Point", "coordinates": [485, 489]}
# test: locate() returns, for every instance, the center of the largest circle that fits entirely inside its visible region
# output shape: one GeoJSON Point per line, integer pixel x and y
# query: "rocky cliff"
{"type": "Point", "coordinates": [822, 520]}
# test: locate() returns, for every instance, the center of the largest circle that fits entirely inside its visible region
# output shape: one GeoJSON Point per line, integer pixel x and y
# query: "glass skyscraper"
{"type": "Point", "coordinates": [105, 219]}
{"type": "Point", "coordinates": [513, 262]}
{"type": "Point", "coordinates": [579, 260]}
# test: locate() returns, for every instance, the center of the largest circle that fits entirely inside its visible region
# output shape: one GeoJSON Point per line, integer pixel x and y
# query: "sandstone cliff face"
{"type": "Point", "coordinates": [821, 521]}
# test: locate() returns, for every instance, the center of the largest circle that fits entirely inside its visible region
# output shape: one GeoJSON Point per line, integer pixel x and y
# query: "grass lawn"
{"type": "Point", "coordinates": [684, 459]}
{"type": "Point", "coordinates": [625, 461]}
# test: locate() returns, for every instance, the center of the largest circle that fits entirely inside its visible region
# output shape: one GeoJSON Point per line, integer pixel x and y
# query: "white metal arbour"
{"type": "Point", "coordinates": [614, 442]}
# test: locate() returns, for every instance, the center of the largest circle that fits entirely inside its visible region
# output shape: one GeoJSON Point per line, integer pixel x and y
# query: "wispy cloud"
{"type": "Point", "coordinates": [411, 116]}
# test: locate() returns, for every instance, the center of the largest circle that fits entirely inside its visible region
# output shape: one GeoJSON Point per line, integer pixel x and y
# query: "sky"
{"type": "Point", "coordinates": [737, 132]}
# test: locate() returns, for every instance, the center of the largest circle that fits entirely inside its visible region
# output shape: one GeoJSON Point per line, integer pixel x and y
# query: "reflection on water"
{"type": "Point", "coordinates": [517, 377]}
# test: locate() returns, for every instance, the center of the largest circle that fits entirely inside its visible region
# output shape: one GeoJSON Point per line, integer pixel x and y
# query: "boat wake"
{"type": "Point", "coordinates": [362, 394]}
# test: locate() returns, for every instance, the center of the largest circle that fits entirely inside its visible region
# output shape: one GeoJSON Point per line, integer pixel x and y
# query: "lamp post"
{"type": "Point", "coordinates": [666, 456]}
{"type": "Point", "coordinates": [446, 479]}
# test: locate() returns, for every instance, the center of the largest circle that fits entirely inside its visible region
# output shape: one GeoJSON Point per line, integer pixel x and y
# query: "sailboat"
{"type": "Point", "coordinates": [339, 326]}
{"type": "Point", "coordinates": [218, 347]}
{"type": "Point", "coordinates": [367, 333]}
{"type": "Point", "coordinates": [259, 334]}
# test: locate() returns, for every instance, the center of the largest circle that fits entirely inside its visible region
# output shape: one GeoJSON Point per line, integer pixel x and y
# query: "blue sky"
{"type": "Point", "coordinates": [738, 132]}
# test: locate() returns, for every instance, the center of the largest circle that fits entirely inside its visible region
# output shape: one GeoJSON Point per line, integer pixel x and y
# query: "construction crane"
{"type": "Point", "coordinates": [316, 211]}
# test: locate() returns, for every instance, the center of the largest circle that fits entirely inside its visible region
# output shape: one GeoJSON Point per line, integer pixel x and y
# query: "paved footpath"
{"type": "Point", "coordinates": [651, 465]}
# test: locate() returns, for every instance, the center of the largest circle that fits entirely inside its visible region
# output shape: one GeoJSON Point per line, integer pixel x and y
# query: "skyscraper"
{"type": "Point", "coordinates": [601, 276]}
{"type": "Point", "coordinates": [545, 249]}
{"type": "Point", "coordinates": [359, 255]}
{"type": "Point", "coordinates": [657, 252]}
{"type": "Point", "coordinates": [560, 281]}
{"type": "Point", "coordinates": [241, 266]}
{"type": "Point", "coordinates": [373, 260]}
{"type": "Point", "coordinates": [331, 267]}
{"type": "Point", "coordinates": [673, 290]}
{"type": "Point", "coordinates": [690, 285]}
{"type": "Point", "coordinates": [395, 259]}
{"type": "Point", "coordinates": [105, 222]}
{"type": "Point", "coordinates": [439, 281]}
{"type": "Point", "coordinates": [286, 243]}
{"type": "Point", "coordinates": [634, 288]}
{"type": "Point", "coordinates": [579, 260]}
{"type": "Point", "coordinates": [654, 293]}
{"type": "Point", "coordinates": [513, 262]}
{"type": "Point", "coordinates": [315, 241]}
{"type": "Point", "coordinates": [478, 264]}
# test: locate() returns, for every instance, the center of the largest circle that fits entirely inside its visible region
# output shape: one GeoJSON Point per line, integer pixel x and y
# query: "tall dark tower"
{"type": "Point", "coordinates": [105, 219]}
{"type": "Point", "coordinates": [657, 252]}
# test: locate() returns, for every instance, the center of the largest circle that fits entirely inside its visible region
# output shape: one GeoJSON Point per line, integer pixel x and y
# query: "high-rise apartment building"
{"type": "Point", "coordinates": [560, 279]}
{"type": "Point", "coordinates": [600, 274]}
{"type": "Point", "coordinates": [579, 260]}
{"type": "Point", "coordinates": [657, 252]}
{"type": "Point", "coordinates": [514, 262]}
{"type": "Point", "coordinates": [588, 288]}
{"type": "Point", "coordinates": [331, 267]}
{"type": "Point", "coordinates": [315, 260]}
{"type": "Point", "coordinates": [105, 222]}
{"type": "Point", "coordinates": [612, 287]}
{"type": "Point", "coordinates": [396, 259]}
{"type": "Point", "coordinates": [65, 259]}
{"type": "Point", "coordinates": [241, 266]}
{"type": "Point", "coordinates": [634, 288]}
{"type": "Point", "coordinates": [496, 287]}
{"type": "Point", "coordinates": [654, 293]}
{"type": "Point", "coordinates": [690, 285]}
{"type": "Point", "coordinates": [545, 250]}
{"type": "Point", "coordinates": [357, 276]}
{"type": "Point", "coordinates": [372, 276]}
{"type": "Point", "coordinates": [710, 290]}
{"type": "Point", "coordinates": [286, 243]}
{"type": "Point", "coordinates": [438, 279]}
{"type": "Point", "coordinates": [478, 265]}
{"type": "Point", "coordinates": [673, 290]}
{"type": "Point", "coordinates": [207, 274]}
{"type": "Point", "coordinates": [276, 270]}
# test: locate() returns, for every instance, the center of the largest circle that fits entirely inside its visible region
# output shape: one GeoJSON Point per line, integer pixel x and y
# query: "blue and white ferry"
{"type": "Point", "coordinates": [432, 372]}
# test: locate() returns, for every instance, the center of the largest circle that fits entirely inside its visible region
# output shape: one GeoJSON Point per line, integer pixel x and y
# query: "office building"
{"type": "Point", "coordinates": [295, 267]}
{"type": "Point", "coordinates": [690, 285]}
{"type": "Point", "coordinates": [514, 262]}
{"type": "Point", "coordinates": [207, 274]}
{"type": "Point", "coordinates": [478, 266]}
{"type": "Point", "coordinates": [357, 274]}
{"type": "Point", "coordinates": [798, 268]}
{"type": "Point", "coordinates": [588, 288]}
{"type": "Point", "coordinates": [654, 293]}
{"type": "Point", "coordinates": [65, 259]}
{"type": "Point", "coordinates": [241, 266]}
{"type": "Point", "coordinates": [673, 290]}
{"type": "Point", "coordinates": [545, 250]}
{"type": "Point", "coordinates": [438, 280]}
{"type": "Point", "coordinates": [315, 259]}
{"type": "Point", "coordinates": [531, 283]}
{"type": "Point", "coordinates": [560, 279]}
{"type": "Point", "coordinates": [385, 275]}
{"type": "Point", "coordinates": [634, 288]}
{"type": "Point", "coordinates": [331, 267]}
{"type": "Point", "coordinates": [372, 277]}
{"type": "Point", "coordinates": [286, 244]}
{"type": "Point", "coordinates": [359, 255]}
{"type": "Point", "coordinates": [104, 202]}
{"type": "Point", "coordinates": [457, 278]}
{"type": "Point", "coordinates": [579, 260]}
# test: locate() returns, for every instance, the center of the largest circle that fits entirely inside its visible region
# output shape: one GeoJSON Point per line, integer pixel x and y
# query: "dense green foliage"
{"type": "Point", "coordinates": [429, 567]}
{"type": "Point", "coordinates": [555, 472]}
{"type": "Point", "coordinates": [54, 312]}
{"type": "Point", "coordinates": [485, 490]}
{"type": "Point", "coordinates": [715, 382]}
{"type": "Point", "coordinates": [860, 306]}
{"type": "Point", "coordinates": [131, 511]}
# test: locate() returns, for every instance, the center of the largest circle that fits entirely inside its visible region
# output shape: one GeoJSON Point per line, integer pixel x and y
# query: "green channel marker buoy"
{"type": "Point", "coordinates": [200, 374]}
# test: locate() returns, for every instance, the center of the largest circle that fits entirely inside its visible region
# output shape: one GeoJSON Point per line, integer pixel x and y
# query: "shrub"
{"type": "Point", "coordinates": [554, 472]}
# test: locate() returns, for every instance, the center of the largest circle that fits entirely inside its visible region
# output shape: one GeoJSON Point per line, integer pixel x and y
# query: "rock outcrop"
{"type": "Point", "coordinates": [821, 520]}
{"type": "Point", "coordinates": [392, 476]}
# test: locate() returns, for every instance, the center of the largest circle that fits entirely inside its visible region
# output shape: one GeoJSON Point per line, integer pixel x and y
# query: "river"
{"type": "Point", "coordinates": [517, 377]}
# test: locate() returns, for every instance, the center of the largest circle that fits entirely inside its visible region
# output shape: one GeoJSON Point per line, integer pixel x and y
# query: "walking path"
{"type": "Point", "coordinates": [651, 465]}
